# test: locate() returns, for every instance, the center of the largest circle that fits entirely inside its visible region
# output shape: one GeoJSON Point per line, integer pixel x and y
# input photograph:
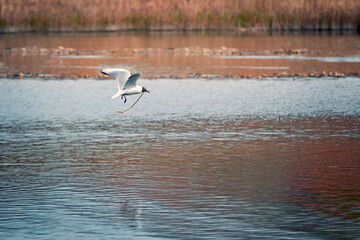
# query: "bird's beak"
{"type": "Point", "coordinates": [147, 91]}
{"type": "Point", "coordinates": [104, 73]}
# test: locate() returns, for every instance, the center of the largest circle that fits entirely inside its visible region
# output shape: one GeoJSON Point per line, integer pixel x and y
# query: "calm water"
{"type": "Point", "coordinates": [194, 159]}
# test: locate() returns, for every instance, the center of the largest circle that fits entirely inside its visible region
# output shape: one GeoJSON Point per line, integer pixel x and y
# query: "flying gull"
{"type": "Point", "coordinates": [125, 81]}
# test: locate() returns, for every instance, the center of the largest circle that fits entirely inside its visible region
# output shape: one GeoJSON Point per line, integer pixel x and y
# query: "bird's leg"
{"type": "Point", "coordinates": [123, 96]}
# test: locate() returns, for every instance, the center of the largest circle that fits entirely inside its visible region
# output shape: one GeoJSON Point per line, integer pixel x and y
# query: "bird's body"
{"type": "Point", "coordinates": [133, 90]}
{"type": "Point", "coordinates": [125, 81]}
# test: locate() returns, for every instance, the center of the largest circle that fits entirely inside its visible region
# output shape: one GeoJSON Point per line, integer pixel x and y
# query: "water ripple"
{"type": "Point", "coordinates": [173, 172]}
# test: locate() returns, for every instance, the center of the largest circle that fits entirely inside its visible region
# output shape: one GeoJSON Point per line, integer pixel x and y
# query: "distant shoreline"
{"type": "Point", "coordinates": [219, 53]}
{"type": "Point", "coordinates": [21, 75]}
{"type": "Point", "coordinates": [352, 30]}
{"type": "Point", "coordinates": [346, 28]}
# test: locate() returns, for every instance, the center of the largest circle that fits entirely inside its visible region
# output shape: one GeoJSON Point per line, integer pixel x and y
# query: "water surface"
{"type": "Point", "coordinates": [194, 159]}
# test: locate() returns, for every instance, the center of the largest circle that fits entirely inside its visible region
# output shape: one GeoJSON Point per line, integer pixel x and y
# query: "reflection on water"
{"type": "Point", "coordinates": [194, 159]}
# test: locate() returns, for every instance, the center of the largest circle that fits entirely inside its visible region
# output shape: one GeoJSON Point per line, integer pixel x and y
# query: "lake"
{"type": "Point", "coordinates": [193, 159]}
{"type": "Point", "coordinates": [273, 158]}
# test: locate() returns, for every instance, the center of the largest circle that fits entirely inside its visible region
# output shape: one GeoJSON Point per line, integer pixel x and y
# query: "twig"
{"type": "Point", "coordinates": [132, 105]}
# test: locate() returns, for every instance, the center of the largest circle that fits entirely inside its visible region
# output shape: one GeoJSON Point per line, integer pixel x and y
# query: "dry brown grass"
{"type": "Point", "coordinates": [188, 14]}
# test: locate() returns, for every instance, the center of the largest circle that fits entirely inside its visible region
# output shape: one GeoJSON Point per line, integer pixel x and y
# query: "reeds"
{"type": "Point", "coordinates": [62, 15]}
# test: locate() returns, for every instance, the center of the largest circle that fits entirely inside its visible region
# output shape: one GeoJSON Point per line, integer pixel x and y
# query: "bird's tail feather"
{"type": "Point", "coordinates": [116, 95]}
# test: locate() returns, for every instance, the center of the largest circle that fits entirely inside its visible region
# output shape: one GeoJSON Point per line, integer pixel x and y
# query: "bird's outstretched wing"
{"type": "Point", "coordinates": [131, 82]}
{"type": "Point", "coordinates": [121, 75]}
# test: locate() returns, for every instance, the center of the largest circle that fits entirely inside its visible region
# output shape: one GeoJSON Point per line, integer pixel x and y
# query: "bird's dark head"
{"type": "Point", "coordinates": [144, 90]}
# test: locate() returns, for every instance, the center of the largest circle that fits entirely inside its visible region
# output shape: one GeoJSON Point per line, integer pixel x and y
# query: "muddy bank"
{"type": "Point", "coordinates": [59, 51]}
{"type": "Point", "coordinates": [219, 51]}
{"type": "Point", "coordinates": [223, 51]}
{"type": "Point", "coordinates": [62, 51]}
{"type": "Point", "coordinates": [178, 56]}
{"type": "Point", "coordinates": [188, 51]}
{"type": "Point", "coordinates": [99, 76]}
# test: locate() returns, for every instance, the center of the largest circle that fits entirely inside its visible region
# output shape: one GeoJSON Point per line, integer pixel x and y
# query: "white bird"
{"type": "Point", "coordinates": [125, 81]}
